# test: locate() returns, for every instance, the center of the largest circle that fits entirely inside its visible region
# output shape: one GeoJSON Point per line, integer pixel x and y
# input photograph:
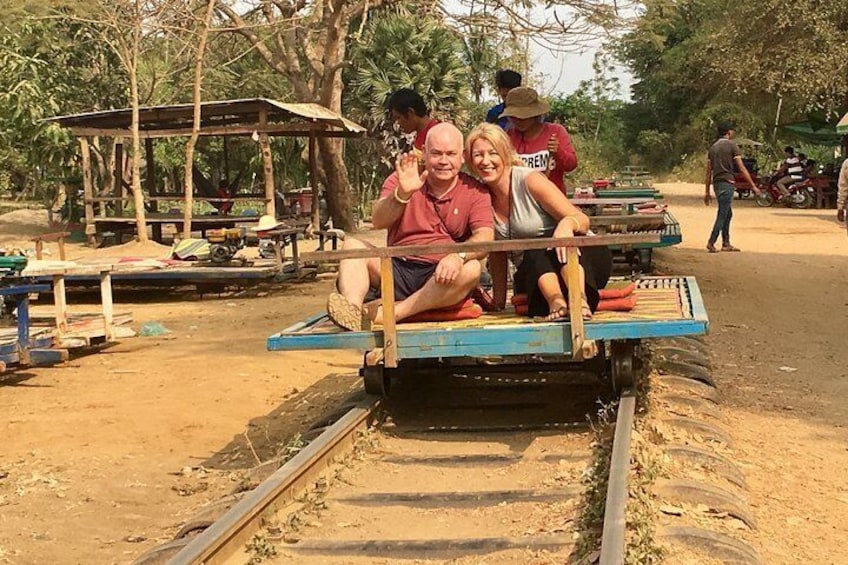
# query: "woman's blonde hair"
{"type": "Point", "coordinates": [496, 136]}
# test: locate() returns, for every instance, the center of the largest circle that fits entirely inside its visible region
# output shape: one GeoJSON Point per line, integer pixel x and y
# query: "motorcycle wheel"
{"type": "Point", "coordinates": [765, 199]}
{"type": "Point", "coordinates": [802, 199]}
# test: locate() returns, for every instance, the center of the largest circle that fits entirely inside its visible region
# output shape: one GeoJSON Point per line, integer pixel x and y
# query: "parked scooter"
{"type": "Point", "coordinates": [802, 194]}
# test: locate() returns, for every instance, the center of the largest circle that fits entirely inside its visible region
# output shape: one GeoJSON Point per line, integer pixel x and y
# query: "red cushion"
{"type": "Point", "coordinates": [617, 292]}
{"type": "Point", "coordinates": [465, 310]}
{"type": "Point", "coordinates": [624, 304]}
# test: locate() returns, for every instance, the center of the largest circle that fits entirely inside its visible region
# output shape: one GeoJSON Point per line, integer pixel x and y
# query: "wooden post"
{"type": "Point", "coordinates": [387, 289]}
{"type": "Point", "coordinates": [150, 182]}
{"type": "Point", "coordinates": [61, 303]}
{"type": "Point", "coordinates": [61, 243]}
{"type": "Point", "coordinates": [227, 160]}
{"type": "Point", "coordinates": [106, 299]}
{"type": "Point", "coordinates": [575, 302]}
{"type": "Point", "coordinates": [295, 257]}
{"type": "Point", "coordinates": [39, 249]}
{"type": "Point", "coordinates": [268, 162]}
{"type": "Point", "coordinates": [313, 181]}
{"type": "Point", "coordinates": [119, 177]}
{"type": "Point", "coordinates": [88, 191]}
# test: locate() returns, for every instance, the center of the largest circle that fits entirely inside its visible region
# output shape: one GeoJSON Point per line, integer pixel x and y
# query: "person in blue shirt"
{"type": "Point", "coordinates": [505, 80]}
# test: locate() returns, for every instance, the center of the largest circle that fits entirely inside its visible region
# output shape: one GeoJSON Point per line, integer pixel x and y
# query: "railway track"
{"type": "Point", "coordinates": [485, 462]}
{"type": "Point", "coordinates": [468, 465]}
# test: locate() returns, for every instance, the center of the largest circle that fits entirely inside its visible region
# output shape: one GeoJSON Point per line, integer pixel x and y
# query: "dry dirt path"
{"type": "Point", "coordinates": [779, 332]}
{"type": "Point", "coordinates": [101, 458]}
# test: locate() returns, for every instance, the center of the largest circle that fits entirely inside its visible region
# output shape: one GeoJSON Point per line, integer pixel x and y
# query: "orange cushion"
{"type": "Point", "coordinates": [617, 292]}
{"type": "Point", "coordinates": [465, 310]}
{"type": "Point", "coordinates": [624, 304]}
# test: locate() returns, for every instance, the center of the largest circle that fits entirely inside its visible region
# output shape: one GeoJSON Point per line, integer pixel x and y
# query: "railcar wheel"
{"type": "Point", "coordinates": [645, 260]}
{"type": "Point", "coordinates": [622, 364]}
{"type": "Point", "coordinates": [376, 380]}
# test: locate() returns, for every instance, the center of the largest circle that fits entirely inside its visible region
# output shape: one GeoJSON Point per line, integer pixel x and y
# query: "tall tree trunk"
{"type": "Point", "coordinates": [138, 195]}
{"type": "Point", "coordinates": [195, 126]}
{"type": "Point", "coordinates": [339, 201]}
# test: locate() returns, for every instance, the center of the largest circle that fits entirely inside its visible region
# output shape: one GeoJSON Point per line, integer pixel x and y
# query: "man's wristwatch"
{"type": "Point", "coordinates": [462, 255]}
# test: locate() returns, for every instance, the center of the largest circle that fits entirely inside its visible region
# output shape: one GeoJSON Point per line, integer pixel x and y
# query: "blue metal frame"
{"type": "Point", "coordinates": [27, 350]}
{"type": "Point", "coordinates": [669, 236]}
{"type": "Point", "coordinates": [493, 339]}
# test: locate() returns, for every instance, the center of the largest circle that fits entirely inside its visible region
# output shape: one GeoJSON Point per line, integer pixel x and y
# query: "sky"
{"type": "Point", "coordinates": [562, 73]}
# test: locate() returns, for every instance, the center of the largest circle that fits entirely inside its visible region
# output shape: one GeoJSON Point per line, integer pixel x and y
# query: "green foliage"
{"type": "Point", "coordinates": [397, 51]}
{"type": "Point", "coordinates": [697, 62]}
{"type": "Point", "coordinates": [50, 67]}
{"type": "Point", "coordinates": [593, 115]}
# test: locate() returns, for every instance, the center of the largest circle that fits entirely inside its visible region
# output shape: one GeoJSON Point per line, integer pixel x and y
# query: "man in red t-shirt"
{"type": "Point", "coordinates": [543, 146]}
{"type": "Point", "coordinates": [440, 205]}
{"type": "Point", "coordinates": [409, 111]}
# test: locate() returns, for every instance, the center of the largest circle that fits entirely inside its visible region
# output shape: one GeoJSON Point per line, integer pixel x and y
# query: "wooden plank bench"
{"type": "Point", "coordinates": [58, 237]}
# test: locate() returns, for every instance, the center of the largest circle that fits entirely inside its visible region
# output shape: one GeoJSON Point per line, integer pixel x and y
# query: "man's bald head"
{"type": "Point", "coordinates": [443, 157]}
{"type": "Point", "coordinates": [443, 133]}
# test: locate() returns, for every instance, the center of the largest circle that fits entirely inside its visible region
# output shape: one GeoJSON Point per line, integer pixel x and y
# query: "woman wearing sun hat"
{"type": "Point", "coordinates": [543, 146]}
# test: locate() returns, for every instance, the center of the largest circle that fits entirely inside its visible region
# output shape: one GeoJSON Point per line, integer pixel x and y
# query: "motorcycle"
{"type": "Point", "coordinates": [802, 194]}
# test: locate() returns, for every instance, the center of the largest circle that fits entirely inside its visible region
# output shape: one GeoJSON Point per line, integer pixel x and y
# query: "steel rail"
{"type": "Point", "coordinates": [229, 534]}
{"type": "Point", "coordinates": [615, 519]}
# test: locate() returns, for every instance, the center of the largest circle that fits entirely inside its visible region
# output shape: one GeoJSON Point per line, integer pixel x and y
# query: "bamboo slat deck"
{"type": "Point", "coordinates": [666, 306]}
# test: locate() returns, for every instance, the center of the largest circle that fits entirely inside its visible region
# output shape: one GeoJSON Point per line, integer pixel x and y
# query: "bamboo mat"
{"type": "Point", "coordinates": [658, 299]}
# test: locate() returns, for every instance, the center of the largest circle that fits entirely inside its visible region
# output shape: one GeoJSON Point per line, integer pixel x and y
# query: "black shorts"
{"type": "Point", "coordinates": [409, 277]}
{"type": "Point", "coordinates": [597, 265]}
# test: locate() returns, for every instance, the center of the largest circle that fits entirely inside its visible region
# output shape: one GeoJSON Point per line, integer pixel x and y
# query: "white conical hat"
{"type": "Point", "coordinates": [266, 222]}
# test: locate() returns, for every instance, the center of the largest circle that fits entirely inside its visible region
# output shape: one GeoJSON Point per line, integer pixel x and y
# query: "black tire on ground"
{"type": "Point", "coordinates": [765, 199]}
{"type": "Point", "coordinates": [686, 370]}
{"type": "Point", "coordinates": [805, 200]}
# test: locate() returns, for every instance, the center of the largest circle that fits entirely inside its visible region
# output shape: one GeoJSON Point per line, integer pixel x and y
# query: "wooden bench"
{"type": "Point", "coordinates": [58, 237]}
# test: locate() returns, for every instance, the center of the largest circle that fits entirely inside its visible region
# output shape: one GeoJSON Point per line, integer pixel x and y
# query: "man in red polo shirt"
{"type": "Point", "coordinates": [440, 205]}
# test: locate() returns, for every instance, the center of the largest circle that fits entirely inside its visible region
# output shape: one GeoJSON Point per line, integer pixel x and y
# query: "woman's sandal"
{"type": "Point", "coordinates": [730, 248]}
{"type": "Point", "coordinates": [561, 313]}
{"type": "Point", "coordinates": [558, 315]}
{"type": "Point", "coordinates": [586, 310]}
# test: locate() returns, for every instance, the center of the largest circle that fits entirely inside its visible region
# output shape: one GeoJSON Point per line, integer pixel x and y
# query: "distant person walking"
{"type": "Point", "coordinates": [720, 159]}
{"type": "Point", "coordinates": [842, 195]}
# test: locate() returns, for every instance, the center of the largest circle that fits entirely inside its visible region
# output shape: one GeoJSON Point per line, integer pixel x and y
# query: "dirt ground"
{"type": "Point", "coordinates": [106, 456]}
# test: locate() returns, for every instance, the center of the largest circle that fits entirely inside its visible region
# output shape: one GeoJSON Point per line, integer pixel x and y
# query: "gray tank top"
{"type": "Point", "coordinates": [527, 219]}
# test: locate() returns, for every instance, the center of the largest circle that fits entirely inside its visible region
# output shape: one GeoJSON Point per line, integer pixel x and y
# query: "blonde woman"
{"type": "Point", "coordinates": [528, 205]}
